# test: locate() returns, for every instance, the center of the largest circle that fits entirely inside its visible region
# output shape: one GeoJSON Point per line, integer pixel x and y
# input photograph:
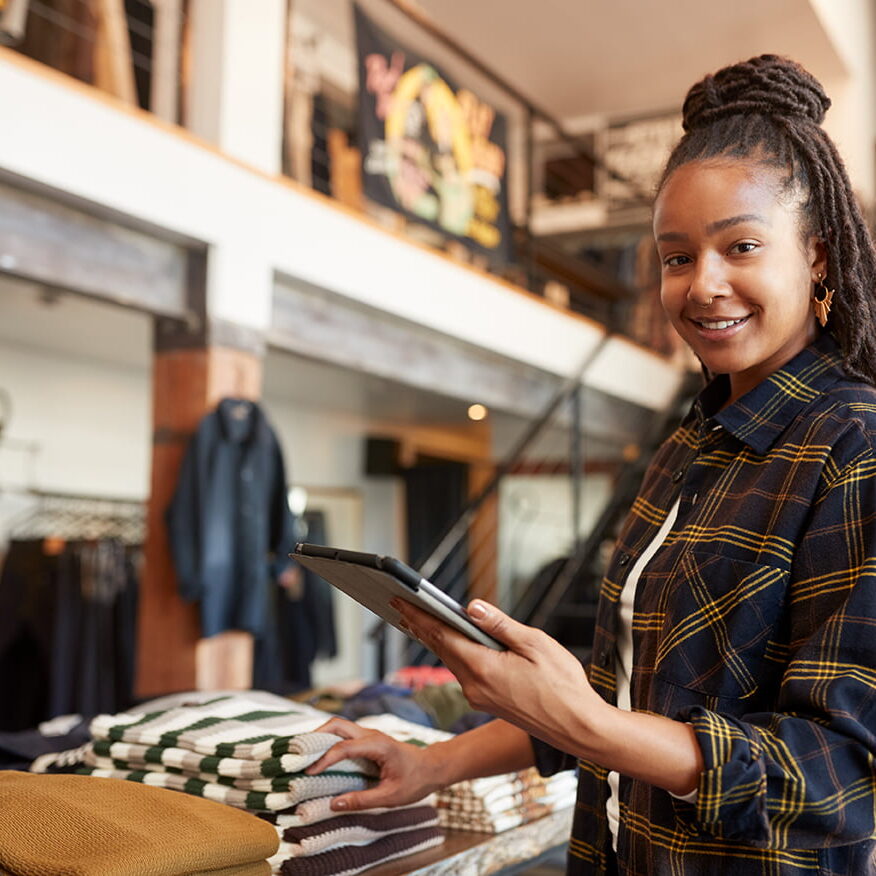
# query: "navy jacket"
{"type": "Point", "coordinates": [229, 522]}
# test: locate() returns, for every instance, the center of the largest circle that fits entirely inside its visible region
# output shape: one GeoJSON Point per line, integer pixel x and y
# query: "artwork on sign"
{"type": "Point", "coordinates": [433, 151]}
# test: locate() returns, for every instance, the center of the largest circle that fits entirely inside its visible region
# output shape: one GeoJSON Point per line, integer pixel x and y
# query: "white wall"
{"type": "Point", "coordinates": [851, 121]}
{"type": "Point", "coordinates": [325, 454]}
{"type": "Point", "coordinates": [91, 422]}
{"type": "Point", "coordinates": [535, 514]}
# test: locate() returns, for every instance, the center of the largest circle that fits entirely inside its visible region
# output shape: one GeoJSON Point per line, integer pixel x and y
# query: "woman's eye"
{"type": "Point", "coordinates": [676, 261]}
{"type": "Point", "coordinates": [743, 247]}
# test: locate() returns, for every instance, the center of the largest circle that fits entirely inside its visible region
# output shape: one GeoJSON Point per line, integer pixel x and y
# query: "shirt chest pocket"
{"type": "Point", "coordinates": [719, 616]}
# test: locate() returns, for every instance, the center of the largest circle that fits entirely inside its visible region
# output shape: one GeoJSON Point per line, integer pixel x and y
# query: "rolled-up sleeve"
{"type": "Point", "coordinates": [803, 776]}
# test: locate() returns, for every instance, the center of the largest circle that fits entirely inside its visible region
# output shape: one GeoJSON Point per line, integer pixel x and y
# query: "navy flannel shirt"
{"type": "Point", "coordinates": [755, 622]}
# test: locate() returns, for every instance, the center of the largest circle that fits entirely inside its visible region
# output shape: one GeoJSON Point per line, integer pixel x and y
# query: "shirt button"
{"type": "Point", "coordinates": [624, 560]}
{"type": "Point", "coordinates": [678, 476]}
{"type": "Point", "coordinates": [604, 657]}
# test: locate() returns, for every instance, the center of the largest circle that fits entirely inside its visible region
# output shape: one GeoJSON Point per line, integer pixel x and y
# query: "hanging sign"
{"type": "Point", "coordinates": [432, 151]}
{"type": "Point", "coordinates": [637, 150]}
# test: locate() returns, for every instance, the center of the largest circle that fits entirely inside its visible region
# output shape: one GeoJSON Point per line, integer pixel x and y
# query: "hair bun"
{"type": "Point", "coordinates": [769, 85]}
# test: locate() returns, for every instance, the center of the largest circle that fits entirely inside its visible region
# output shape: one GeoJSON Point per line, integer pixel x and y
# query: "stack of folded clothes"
{"type": "Point", "coordinates": [319, 842]}
{"type": "Point", "coordinates": [498, 803]}
{"type": "Point", "coordinates": [252, 756]}
{"type": "Point", "coordinates": [229, 750]}
{"type": "Point", "coordinates": [489, 805]}
{"type": "Point", "coordinates": [69, 825]}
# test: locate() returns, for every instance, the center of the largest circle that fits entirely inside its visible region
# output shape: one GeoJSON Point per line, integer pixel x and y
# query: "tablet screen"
{"type": "Point", "coordinates": [373, 580]}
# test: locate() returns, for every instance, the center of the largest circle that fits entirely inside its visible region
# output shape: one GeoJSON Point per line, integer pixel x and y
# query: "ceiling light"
{"type": "Point", "coordinates": [477, 412]}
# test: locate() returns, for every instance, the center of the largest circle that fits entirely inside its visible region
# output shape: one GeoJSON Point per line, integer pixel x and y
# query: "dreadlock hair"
{"type": "Point", "coordinates": [768, 110]}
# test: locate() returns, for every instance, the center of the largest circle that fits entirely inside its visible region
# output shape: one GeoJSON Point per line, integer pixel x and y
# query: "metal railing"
{"type": "Point", "coordinates": [550, 568]}
{"type": "Point", "coordinates": [128, 48]}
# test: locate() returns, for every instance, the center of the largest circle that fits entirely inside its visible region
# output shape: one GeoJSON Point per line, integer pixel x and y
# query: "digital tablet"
{"type": "Point", "coordinates": [373, 581]}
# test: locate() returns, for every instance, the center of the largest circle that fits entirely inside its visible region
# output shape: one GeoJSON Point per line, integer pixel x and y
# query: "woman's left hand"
{"type": "Point", "coordinates": [536, 684]}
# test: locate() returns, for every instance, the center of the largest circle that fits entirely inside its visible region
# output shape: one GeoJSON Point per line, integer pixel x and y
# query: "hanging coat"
{"type": "Point", "coordinates": [229, 522]}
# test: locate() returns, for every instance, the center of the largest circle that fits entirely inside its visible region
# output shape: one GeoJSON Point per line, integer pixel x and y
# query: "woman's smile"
{"type": "Point", "coordinates": [720, 328]}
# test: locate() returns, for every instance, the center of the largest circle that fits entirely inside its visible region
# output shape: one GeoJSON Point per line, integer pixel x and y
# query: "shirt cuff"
{"type": "Point", "coordinates": [550, 760]}
{"type": "Point", "coordinates": [731, 797]}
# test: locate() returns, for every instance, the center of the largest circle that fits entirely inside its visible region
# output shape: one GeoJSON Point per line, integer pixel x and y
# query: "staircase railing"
{"type": "Point", "coordinates": [538, 605]}
{"type": "Point", "coordinates": [459, 554]}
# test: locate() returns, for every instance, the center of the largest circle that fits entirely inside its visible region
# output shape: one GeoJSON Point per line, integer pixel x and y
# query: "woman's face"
{"type": "Point", "coordinates": [736, 274]}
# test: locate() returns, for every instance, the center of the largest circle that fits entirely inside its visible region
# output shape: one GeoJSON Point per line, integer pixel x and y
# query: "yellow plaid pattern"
{"type": "Point", "coordinates": [756, 623]}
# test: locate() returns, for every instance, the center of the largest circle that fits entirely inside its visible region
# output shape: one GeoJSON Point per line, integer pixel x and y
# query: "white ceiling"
{"type": "Point", "coordinates": [582, 57]}
{"type": "Point", "coordinates": [579, 58]}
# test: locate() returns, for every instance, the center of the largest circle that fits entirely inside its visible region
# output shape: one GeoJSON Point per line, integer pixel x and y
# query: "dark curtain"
{"type": "Point", "coordinates": [436, 491]}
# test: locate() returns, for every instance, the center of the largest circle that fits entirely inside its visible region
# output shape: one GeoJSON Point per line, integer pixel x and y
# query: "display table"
{"type": "Point", "coordinates": [465, 853]}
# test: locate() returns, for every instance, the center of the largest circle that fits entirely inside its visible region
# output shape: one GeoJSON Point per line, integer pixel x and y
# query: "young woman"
{"type": "Point", "coordinates": [726, 723]}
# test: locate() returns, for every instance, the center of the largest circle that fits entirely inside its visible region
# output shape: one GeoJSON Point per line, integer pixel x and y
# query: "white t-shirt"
{"type": "Point", "coordinates": [624, 661]}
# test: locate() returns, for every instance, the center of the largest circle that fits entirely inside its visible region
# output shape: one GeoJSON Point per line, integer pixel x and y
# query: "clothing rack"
{"type": "Point", "coordinates": [68, 604]}
{"type": "Point", "coordinates": [70, 516]}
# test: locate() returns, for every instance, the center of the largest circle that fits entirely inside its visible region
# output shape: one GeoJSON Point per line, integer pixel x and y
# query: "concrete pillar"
{"type": "Point", "coordinates": [234, 96]}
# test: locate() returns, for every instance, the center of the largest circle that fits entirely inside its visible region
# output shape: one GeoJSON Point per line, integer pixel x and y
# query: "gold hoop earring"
{"type": "Point", "coordinates": [822, 299]}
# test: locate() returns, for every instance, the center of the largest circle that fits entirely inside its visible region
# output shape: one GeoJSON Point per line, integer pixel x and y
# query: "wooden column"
{"type": "Point", "coordinates": [188, 381]}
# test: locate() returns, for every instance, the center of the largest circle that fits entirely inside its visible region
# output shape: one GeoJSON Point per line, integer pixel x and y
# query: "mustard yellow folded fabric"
{"type": "Point", "coordinates": [260, 868]}
{"type": "Point", "coordinates": [70, 825]}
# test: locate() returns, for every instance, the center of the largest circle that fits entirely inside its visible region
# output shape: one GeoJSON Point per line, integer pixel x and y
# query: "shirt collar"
{"type": "Point", "coordinates": [763, 413]}
{"type": "Point", "coordinates": [237, 419]}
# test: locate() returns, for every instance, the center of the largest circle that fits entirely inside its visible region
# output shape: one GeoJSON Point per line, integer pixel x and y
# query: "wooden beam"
{"type": "Point", "coordinates": [324, 326]}
{"type": "Point", "coordinates": [55, 244]}
{"type": "Point", "coordinates": [320, 325]}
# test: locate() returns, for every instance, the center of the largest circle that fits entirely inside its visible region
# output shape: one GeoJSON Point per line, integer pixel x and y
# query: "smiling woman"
{"type": "Point", "coordinates": [727, 723]}
{"type": "Point", "coordinates": [737, 274]}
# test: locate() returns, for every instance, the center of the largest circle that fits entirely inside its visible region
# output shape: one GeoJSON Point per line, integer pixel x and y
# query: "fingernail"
{"type": "Point", "coordinates": [477, 610]}
{"type": "Point", "coordinates": [339, 804]}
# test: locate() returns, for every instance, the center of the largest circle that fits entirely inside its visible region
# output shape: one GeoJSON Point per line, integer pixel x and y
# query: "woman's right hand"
{"type": "Point", "coordinates": [407, 773]}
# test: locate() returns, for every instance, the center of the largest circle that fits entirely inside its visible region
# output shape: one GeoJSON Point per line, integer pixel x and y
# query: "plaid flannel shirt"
{"type": "Point", "coordinates": [756, 622]}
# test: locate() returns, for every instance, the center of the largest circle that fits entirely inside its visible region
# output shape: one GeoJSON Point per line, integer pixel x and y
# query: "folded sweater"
{"type": "Point", "coordinates": [348, 860]}
{"type": "Point", "coordinates": [302, 788]}
{"type": "Point", "coordinates": [69, 825]}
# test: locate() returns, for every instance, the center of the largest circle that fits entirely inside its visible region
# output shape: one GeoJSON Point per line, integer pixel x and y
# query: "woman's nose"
{"type": "Point", "coordinates": [707, 281]}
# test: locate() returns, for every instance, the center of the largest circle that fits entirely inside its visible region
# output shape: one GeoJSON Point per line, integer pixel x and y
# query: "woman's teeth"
{"type": "Point", "coordinates": [721, 323]}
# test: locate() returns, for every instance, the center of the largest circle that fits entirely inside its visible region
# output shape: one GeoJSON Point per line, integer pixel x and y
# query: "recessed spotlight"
{"type": "Point", "coordinates": [477, 412]}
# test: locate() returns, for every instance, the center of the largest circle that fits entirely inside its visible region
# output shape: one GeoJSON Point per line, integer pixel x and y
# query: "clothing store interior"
{"type": "Point", "coordinates": [375, 276]}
